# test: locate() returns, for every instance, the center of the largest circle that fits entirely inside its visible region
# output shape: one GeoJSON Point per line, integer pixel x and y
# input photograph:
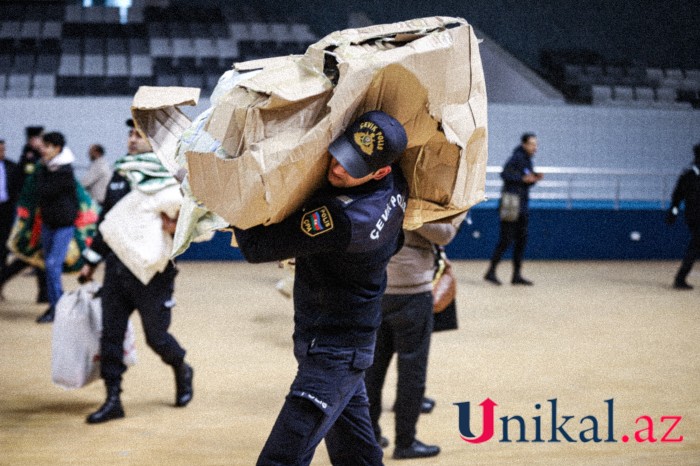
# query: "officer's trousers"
{"type": "Point", "coordinates": [121, 293]}
{"type": "Point", "coordinates": [407, 324]}
{"type": "Point", "coordinates": [512, 232]}
{"type": "Point", "coordinates": [327, 399]}
{"type": "Point", "coordinates": [691, 254]}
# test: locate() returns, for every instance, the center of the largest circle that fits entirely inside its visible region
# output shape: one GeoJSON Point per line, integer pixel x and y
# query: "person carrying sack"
{"type": "Point", "coordinates": [518, 177]}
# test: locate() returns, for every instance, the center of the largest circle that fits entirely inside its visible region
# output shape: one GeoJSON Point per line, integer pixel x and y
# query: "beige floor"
{"type": "Point", "coordinates": [587, 332]}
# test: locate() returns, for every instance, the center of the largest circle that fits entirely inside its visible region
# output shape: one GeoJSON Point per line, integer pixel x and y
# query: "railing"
{"type": "Point", "coordinates": [579, 183]}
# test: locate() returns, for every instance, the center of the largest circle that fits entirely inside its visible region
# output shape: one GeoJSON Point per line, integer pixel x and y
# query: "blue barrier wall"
{"type": "Point", "coordinates": [588, 231]}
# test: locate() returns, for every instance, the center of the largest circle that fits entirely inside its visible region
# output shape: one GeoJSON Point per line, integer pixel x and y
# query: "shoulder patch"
{"type": "Point", "coordinates": [317, 222]}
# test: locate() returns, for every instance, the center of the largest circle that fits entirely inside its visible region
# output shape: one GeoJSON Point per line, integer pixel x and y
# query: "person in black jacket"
{"type": "Point", "coordinates": [518, 177]}
{"type": "Point", "coordinates": [57, 200]}
{"type": "Point", "coordinates": [10, 186]}
{"type": "Point", "coordinates": [342, 240]}
{"type": "Point", "coordinates": [688, 190]}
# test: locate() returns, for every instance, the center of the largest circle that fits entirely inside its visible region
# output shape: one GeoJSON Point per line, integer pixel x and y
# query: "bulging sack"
{"type": "Point", "coordinates": [75, 342]}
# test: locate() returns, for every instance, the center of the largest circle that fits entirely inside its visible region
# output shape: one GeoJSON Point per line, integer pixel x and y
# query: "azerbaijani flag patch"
{"type": "Point", "coordinates": [317, 222]}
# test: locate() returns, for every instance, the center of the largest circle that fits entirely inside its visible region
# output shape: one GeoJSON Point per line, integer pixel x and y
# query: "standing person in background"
{"type": "Point", "coordinates": [407, 324]}
{"type": "Point", "coordinates": [10, 186]}
{"type": "Point", "coordinates": [122, 291]}
{"type": "Point", "coordinates": [28, 160]}
{"type": "Point", "coordinates": [97, 177]}
{"type": "Point", "coordinates": [57, 199]}
{"type": "Point", "coordinates": [31, 152]}
{"type": "Point", "coordinates": [688, 190]}
{"type": "Point", "coordinates": [518, 177]}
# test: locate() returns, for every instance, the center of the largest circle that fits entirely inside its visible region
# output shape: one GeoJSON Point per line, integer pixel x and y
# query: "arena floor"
{"type": "Point", "coordinates": [587, 332]}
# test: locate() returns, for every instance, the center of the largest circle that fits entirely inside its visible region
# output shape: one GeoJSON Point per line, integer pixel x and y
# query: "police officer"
{"type": "Point", "coordinates": [342, 239]}
{"type": "Point", "coordinates": [518, 177]}
{"type": "Point", "coordinates": [688, 190]}
{"type": "Point", "coordinates": [121, 293]}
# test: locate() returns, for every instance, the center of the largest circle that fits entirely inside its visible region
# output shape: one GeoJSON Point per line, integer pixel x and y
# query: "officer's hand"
{"type": "Point", "coordinates": [86, 273]}
{"type": "Point", "coordinates": [671, 216]}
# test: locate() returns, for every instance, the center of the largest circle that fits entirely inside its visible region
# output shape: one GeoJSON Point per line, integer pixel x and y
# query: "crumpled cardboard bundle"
{"type": "Point", "coordinates": [260, 150]}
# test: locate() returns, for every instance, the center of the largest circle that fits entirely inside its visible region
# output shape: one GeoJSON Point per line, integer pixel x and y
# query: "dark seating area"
{"type": "Point", "coordinates": [59, 49]}
{"type": "Point", "coordinates": [585, 77]}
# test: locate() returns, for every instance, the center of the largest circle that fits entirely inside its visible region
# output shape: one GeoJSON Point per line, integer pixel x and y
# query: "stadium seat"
{"type": "Point", "coordinates": [183, 47]}
{"type": "Point", "coordinates": [602, 95]}
{"type": "Point", "coordinates": [3, 82]}
{"type": "Point", "coordinates": [74, 13]}
{"type": "Point", "coordinates": [167, 80]}
{"type": "Point", "coordinates": [161, 47]}
{"type": "Point", "coordinates": [44, 85]}
{"type": "Point", "coordinates": [665, 95]}
{"type": "Point", "coordinates": [10, 29]}
{"type": "Point", "coordinates": [93, 65]}
{"type": "Point", "coordinates": [141, 65]}
{"type": "Point", "coordinates": [71, 65]}
{"type": "Point", "coordinates": [18, 85]}
{"type": "Point", "coordinates": [240, 31]}
{"type": "Point", "coordinates": [644, 95]}
{"type": "Point", "coordinates": [52, 30]}
{"type": "Point", "coordinates": [624, 95]}
{"type": "Point", "coordinates": [654, 76]}
{"type": "Point", "coordinates": [205, 48]}
{"type": "Point", "coordinates": [227, 48]}
{"type": "Point", "coordinates": [117, 66]}
{"type": "Point", "coordinates": [30, 29]}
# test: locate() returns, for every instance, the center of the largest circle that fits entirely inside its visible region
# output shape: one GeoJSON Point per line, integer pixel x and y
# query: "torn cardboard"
{"type": "Point", "coordinates": [260, 151]}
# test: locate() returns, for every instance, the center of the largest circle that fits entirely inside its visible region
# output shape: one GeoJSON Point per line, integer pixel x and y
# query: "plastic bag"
{"type": "Point", "coordinates": [75, 344]}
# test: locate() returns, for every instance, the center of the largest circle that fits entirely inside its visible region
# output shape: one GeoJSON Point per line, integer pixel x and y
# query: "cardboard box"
{"type": "Point", "coordinates": [271, 122]}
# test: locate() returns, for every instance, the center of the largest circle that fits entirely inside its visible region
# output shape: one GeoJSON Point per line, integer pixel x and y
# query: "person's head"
{"type": "Point", "coordinates": [2, 149]}
{"type": "Point", "coordinates": [34, 136]}
{"type": "Point", "coordinates": [53, 144]}
{"type": "Point", "coordinates": [136, 143]}
{"type": "Point", "coordinates": [366, 150]}
{"type": "Point", "coordinates": [528, 142]}
{"type": "Point", "coordinates": [696, 153]}
{"type": "Point", "coordinates": [96, 151]}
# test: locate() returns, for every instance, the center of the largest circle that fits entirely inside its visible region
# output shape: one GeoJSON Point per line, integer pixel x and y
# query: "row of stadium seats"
{"type": "Point", "coordinates": [660, 97]}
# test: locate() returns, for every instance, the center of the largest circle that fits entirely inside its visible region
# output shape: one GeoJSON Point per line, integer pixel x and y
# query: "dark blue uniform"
{"type": "Point", "coordinates": [122, 292]}
{"type": "Point", "coordinates": [342, 241]}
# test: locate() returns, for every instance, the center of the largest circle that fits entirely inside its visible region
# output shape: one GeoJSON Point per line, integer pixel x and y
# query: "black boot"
{"type": "Point", "coordinates": [111, 409]}
{"type": "Point", "coordinates": [416, 450]}
{"type": "Point", "coordinates": [46, 317]}
{"type": "Point", "coordinates": [183, 384]}
{"type": "Point", "coordinates": [491, 276]}
{"type": "Point", "coordinates": [519, 280]}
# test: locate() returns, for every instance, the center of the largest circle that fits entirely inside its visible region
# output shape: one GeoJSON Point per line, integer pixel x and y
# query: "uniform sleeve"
{"type": "Point", "coordinates": [317, 229]}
